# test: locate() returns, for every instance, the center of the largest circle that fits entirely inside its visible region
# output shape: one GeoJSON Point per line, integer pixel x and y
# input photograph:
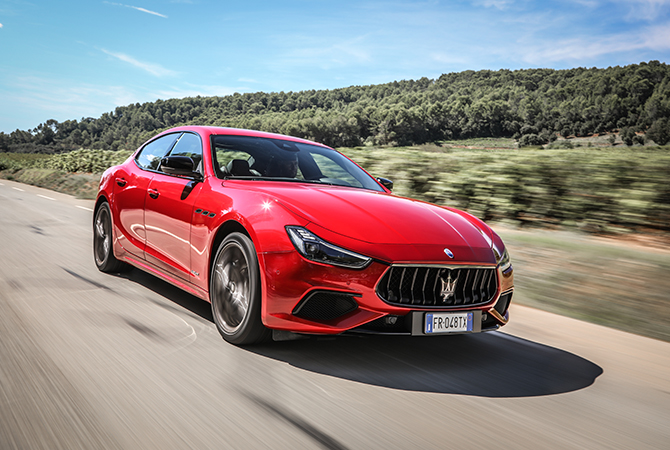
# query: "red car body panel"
{"type": "Point", "coordinates": [129, 187]}
{"type": "Point", "coordinates": [169, 225]}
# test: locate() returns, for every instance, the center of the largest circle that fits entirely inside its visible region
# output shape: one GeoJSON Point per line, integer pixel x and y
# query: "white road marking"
{"type": "Point", "coordinates": [83, 207]}
{"type": "Point", "coordinates": [18, 189]}
{"type": "Point", "coordinates": [44, 196]}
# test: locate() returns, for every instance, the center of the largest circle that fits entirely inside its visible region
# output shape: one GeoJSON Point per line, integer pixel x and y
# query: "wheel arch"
{"type": "Point", "coordinates": [102, 198]}
{"type": "Point", "coordinates": [226, 228]}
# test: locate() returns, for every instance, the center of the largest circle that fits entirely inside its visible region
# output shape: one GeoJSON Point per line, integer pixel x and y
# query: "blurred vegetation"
{"type": "Point", "coordinates": [83, 161]}
{"type": "Point", "coordinates": [76, 173]}
{"type": "Point", "coordinates": [595, 189]}
{"type": "Point", "coordinates": [598, 190]}
{"type": "Point", "coordinates": [532, 106]}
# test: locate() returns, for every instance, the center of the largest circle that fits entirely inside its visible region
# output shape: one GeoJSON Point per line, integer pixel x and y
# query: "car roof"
{"type": "Point", "coordinates": [210, 130]}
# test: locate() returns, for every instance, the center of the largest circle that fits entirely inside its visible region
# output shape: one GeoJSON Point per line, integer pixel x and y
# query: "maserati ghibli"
{"type": "Point", "coordinates": [284, 236]}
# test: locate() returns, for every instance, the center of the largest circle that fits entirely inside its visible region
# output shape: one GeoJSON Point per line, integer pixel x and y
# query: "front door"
{"type": "Point", "coordinates": [169, 210]}
{"type": "Point", "coordinates": [130, 192]}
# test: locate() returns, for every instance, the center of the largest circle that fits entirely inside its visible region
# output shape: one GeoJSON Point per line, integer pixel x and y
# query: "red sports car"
{"type": "Point", "coordinates": [284, 235]}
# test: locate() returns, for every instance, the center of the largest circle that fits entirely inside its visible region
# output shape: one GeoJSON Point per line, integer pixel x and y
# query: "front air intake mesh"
{"type": "Point", "coordinates": [438, 286]}
{"type": "Point", "coordinates": [325, 305]}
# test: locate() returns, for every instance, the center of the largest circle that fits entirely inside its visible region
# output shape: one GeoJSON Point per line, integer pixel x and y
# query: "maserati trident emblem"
{"type": "Point", "coordinates": [448, 287]}
{"type": "Point", "coordinates": [449, 253]}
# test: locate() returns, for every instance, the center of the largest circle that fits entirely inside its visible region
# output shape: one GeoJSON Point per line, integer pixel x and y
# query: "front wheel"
{"type": "Point", "coordinates": [235, 291]}
{"type": "Point", "coordinates": [102, 241]}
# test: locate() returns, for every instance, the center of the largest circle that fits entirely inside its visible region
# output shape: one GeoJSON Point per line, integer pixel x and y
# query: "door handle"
{"type": "Point", "coordinates": [121, 181]}
{"type": "Point", "coordinates": [153, 193]}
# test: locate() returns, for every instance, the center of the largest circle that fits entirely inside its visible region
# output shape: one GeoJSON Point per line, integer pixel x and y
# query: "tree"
{"type": "Point", "coordinates": [531, 139]}
{"type": "Point", "coordinates": [627, 135]}
{"type": "Point", "coordinates": [659, 132]}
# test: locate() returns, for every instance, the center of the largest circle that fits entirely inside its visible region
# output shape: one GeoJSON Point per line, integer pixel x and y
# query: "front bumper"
{"type": "Point", "coordinates": [306, 297]}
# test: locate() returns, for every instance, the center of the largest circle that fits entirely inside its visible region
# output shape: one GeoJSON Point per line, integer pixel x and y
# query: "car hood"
{"type": "Point", "coordinates": [383, 225]}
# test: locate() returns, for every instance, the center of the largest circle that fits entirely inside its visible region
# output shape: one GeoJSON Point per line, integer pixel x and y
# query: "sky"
{"type": "Point", "coordinates": [72, 59]}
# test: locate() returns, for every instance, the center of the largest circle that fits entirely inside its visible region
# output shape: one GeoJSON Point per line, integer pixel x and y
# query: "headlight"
{"type": "Point", "coordinates": [316, 249]}
{"type": "Point", "coordinates": [503, 260]}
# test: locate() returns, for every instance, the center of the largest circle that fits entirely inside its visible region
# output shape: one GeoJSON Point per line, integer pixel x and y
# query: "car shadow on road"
{"type": "Point", "coordinates": [184, 303]}
{"type": "Point", "coordinates": [493, 364]}
{"type": "Point", "coordinates": [487, 365]}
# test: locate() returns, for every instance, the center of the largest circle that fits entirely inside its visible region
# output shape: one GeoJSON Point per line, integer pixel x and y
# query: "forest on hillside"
{"type": "Point", "coordinates": [532, 105]}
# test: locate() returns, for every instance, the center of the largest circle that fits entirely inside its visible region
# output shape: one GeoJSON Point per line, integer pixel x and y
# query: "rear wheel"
{"type": "Point", "coordinates": [235, 291]}
{"type": "Point", "coordinates": [102, 241]}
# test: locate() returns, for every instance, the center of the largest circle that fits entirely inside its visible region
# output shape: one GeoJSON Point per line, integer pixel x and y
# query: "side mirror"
{"type": "Point", "coordinates": [179, 165]}
{"type": "Point", "coordinates": [388, 184]}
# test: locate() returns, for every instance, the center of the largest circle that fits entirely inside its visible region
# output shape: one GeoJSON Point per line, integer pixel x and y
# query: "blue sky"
{"type": "Point", "coordinates": [73, 59]}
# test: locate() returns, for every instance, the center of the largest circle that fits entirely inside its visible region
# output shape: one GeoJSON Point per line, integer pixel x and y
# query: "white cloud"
{"type": "Point", "coordinates": [153, 69]}
{"type": "Point", "coordinates": [139, 9]}
{"type": "Point", "coordinates": [1, 25]}
{"type": "Point", "coordinates": [647, 10]}
{"type": "Point", "coordinates": [148, 11]}
{"type": "Point", "coordinates": [588, 48]}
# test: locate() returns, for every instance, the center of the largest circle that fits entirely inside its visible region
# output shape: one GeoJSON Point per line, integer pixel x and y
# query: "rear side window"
{"type": "Point", "coordinates": [150, 156]}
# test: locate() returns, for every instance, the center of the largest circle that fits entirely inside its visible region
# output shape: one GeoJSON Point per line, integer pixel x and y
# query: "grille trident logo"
{"type": "Point", "coordinates": [448, 287]}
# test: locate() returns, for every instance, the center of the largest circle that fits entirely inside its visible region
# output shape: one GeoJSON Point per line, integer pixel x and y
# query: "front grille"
{"type": "Point", "coordinates": [438, 286]}
{"type": "Point", "coordinates": [325, 305]}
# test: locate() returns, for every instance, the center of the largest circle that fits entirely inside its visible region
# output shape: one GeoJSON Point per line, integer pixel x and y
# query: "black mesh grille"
{"type": "Point", "coordinates": [325, 305]}
{"type": "Point", "coordinates": [438, 286]}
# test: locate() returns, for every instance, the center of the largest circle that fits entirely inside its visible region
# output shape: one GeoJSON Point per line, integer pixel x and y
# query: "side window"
{"type": "Point", "coordinates": [150, 156]}
{"type": "Point", "coordinates": [189, 145]}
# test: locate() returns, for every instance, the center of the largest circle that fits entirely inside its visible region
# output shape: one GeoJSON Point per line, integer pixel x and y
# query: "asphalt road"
{"type": "Point", "coordinates": [89, 360]}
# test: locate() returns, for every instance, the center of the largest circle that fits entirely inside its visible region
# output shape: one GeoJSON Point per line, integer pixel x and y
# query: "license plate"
{"type": "Point", "coordinates": [448, 322]}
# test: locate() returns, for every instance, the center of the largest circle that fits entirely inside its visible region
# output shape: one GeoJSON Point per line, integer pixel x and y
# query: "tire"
{"type": "Point", "coordinates": [103, 252]}
{"type": "Point", "coordinates": [235, 291]}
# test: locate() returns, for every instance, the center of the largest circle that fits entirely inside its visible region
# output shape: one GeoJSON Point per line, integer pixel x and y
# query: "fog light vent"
{"type": "Point", "coordinates": [503, 303]}
{"type": "Point", "coordinates": [325, 305]}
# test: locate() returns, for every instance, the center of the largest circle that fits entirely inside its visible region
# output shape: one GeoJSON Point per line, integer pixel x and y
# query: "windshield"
{"type": "Point", "coordinates": [256, 158]}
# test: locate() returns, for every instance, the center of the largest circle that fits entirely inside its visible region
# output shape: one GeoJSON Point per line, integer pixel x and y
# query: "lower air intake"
{"type": "Point", "coordinates": [503, 303]}
{"type": "Point", "coordinates": [325, 305]}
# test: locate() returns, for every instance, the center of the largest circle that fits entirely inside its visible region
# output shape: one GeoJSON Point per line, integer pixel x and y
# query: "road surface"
{"type": "Point", "coordinates": [96, 361]}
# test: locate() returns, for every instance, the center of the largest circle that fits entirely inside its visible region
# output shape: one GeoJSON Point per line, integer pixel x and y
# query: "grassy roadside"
{"type": "Point", "coordinates": [80, 185]}
{"type": "Point", "coordinates": [610, 282]}
{"type": "Point", "coordinates": [76, 173]}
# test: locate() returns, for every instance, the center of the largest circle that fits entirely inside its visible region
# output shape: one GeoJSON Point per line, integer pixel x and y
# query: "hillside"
{"type": "Point", "coordinates": [532, 105]}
